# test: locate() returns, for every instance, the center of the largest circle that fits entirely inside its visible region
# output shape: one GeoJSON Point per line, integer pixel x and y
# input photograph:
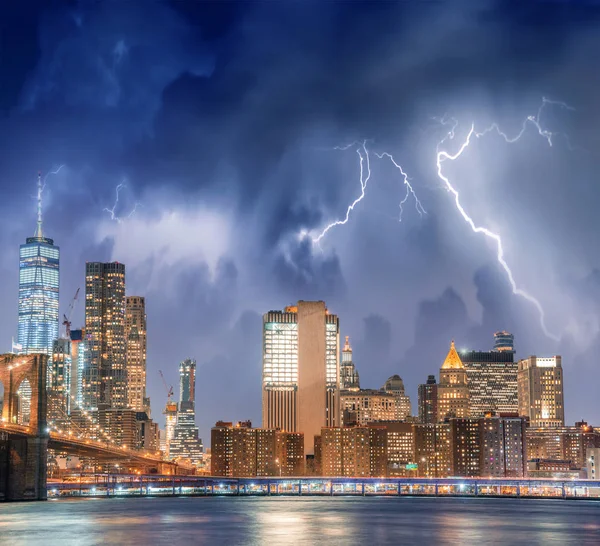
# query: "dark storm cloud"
{"type": "Point", "coordinates": [237, 106]}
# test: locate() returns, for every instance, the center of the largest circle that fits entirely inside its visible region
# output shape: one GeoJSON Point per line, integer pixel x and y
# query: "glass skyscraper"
{"type": "Point", "coordinates": [38, 290]}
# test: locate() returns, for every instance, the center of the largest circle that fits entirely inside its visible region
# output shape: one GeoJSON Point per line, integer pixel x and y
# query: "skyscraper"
{"type": "Point", "coordinates": [105, 375]}
{"type": "Point", "coordinates": [540, 388]}
{"type": "Point", "coordinates": [301, 370]}
{"type": "Point", "coordinates": [492, 379]}
{"type": "Point", "coordinates": [186, 443]}
{"type": "Point", "coordinates": [504, 341]}
{"type": "Point", "coordinates": [135, 343]}
{"type": "Point", "coordinates": [59, 383]}
{"type": "Point", "coordinates": [428, 401]}
{"type": "Point", "coordinates": [38, 290]}
{"type": "Point", "coordinates": [453, 391]}
{"type": "Point", "coordinates": [349, 379]}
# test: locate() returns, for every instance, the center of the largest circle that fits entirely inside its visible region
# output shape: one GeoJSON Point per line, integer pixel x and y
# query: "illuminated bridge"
{"type": "Point", "coordinates": [119, 485]}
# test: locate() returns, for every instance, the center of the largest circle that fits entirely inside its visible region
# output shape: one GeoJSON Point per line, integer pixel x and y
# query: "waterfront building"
{"type": "Point", "coordinates": [118, 425]}
{"type": "Point", "coordinates": [135, 351]}
{"type": "Point", "coordinates": [78, 353]}
{"type": "Point", "coordinates": [400, 447]}
{"type": "Point", "coordinates": [465, 447]}
{"type": "Point", "coordinates": [592, 460]}
{"type": "Point", "coordinates": [367, 405]}
{"type": "Point", "coordinates": [353, 451]}
{"type": "Point", "coordinates": [428, 395]}
{"type": "Point", "coordinates": [432, 449]}
{"type": "Point", "coordinates": [186, 443]}
{"type": "Point", "coordinates": [59, 384]}
{"type": "Point", "coordinates": [243, 451]}
{"type": "Point", "coordinates": [104, 383]}
{"type": "Point", "coordinates": [148, 435]}
{"type": "Point", "coordinates": [300, 380]}
{"type": "Point", "coordinates": [554, 469]}
{"type": "Point", "coordinates": [503, 446]}
{"type": "Point", "coordinates": [39, 260]}
{"type": "Point", "coordinates": [504, 341]}
{"type": "Point", "coordinates": [492, 381]}
{"type": "Point", "coordinates": [349, 378]}
{"type": "Point", "coordinates": [395, 386]}
{"type": "Point", "coordinates": [540, 391]}
{"type": "Point", "coordinates": [453, 390]}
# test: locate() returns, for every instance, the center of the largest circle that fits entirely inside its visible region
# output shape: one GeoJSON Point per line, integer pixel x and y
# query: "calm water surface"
{"type": "Point", "coordinates": [226, 521]}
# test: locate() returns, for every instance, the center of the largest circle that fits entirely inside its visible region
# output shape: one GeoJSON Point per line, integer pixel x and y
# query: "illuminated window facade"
{"type": "Point", "coordinates": [135, 339]}
{"type": "Point", "coordinates": [39, 262]}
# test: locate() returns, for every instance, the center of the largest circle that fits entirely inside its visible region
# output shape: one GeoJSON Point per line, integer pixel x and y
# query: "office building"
{"type": "Point", "coordinates": [432, 449]}
{"type": "Point", "coordinates": [353, 451]}
{"type": "Point", "coordinates": [148, 435]}
{"type": "Point", "coordinates": [395, 386]}
{"type": "Point", "coordinates": [186, 443]}
{"type": "Point", "coordinates": [367, 405]}
{"type": "Point", "coordinates": [39, 261]}
{"type": "Point", "coordinates": [503, 446]}
{"type": "Point", "coordinates": [428, 395]}
{"type": "Point", "coordinates": [243, 451]}
{"type": "Point", "coordinates": [170, 413]}
{"type": "Point", "coordinates": [492, 381]}
{"type": "Point", "coordinates": [453, 390]}
{"type": "Point", "coordinates": [465, 447]}
{"type": "Point", "coordinates": [504, 341]}
{"type": "Point", "coordinates": [540, 391]}
{"type": "Point", "coordinates": [104, 383]}
{"type": "Point", "coordinates": [118, 425]}
{"type": "Point", "coordinates": [78, 354]}
{"type": "Point", "coordinates": [135, 350]}
{"type": "Point", "coordinates": [349, 378]}
{"type": "Point", "coordinates": [59, 384]}
{"type": "Point", "coordinates": [300, 378]}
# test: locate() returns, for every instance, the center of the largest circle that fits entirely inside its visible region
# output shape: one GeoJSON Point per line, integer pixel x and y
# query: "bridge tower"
{"type": "Point", "coordinates": [23, 449]}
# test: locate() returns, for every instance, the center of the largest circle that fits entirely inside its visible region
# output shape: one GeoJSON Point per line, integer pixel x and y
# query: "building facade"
{"type": "Point", "coordinates": [453, 390]}
{"type": "Point", "coordinates": [503, 446]}
{"type": "Point", "coordinates": [492, 381]}
{"type": "Point", "coordinates": [186, 443]}
{"type": "Point", "coordinates": [366, 405]}
{"type": "Point", "coordinates": [135, 348]}
{"type": "Point", "coordinates": [59, 384]}
{"type": "Point", "coordinates": [400, 447]}
{"type": "Point", "coordinates": [300, 382]}
{"type": "Point", "coordinates": [432, 449]}
{"type": "Point", "coordinates": [428, 410]}
{"type": "Point", "coordinates": [540, 391]}
{"type": "Point", "coordinates": [465, 447]}
{"type": "Point", "coordinates": [402, 407]}
{"type": "Point", "coordinates": [504, 341]}
{"type": "Point", "coordinates": [349, 378]}
{"type": "Point", "coordinates": [104, 383]}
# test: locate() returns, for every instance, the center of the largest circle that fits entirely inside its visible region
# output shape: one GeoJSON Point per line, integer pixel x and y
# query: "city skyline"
{"type": "Point", "coordinates": [202, 179]}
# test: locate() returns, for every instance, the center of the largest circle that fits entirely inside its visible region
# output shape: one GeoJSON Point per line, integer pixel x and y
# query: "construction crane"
{"type": "Point", "coordinates": [67, 317]}
{"type": "Point", "coordinates": [167, 388]}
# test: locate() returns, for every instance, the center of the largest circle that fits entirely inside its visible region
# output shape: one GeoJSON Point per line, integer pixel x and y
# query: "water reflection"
{"type": "Point", "coordinates": [345, 520]}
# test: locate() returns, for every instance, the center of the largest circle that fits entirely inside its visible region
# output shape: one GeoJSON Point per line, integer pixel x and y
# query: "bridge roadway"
{"type": "Point", "coordinates": [121, 485]}
{"type": "Point", "coordinates": [72, 445]}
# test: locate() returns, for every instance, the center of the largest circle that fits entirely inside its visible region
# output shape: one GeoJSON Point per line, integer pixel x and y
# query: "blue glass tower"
{"type": "Point", "coordinates": [38, 290]}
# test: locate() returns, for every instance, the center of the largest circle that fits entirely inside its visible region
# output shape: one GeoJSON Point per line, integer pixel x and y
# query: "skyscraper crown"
{"type": "Point", "coordinates": [452, 361]}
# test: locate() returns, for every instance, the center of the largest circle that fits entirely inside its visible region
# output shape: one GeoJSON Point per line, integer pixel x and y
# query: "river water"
{"type": "Point", "coordinates": [331, 521]}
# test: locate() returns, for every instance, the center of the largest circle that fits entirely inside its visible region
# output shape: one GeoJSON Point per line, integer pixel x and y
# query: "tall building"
{"type": "Point", "coordinates": [465, 447]}
{"type": "Point", "coordinates": [503, 341]}
{"type": "Point", "coordinates": [170, 413]}
{"type": "Point", "coordinates": [186, 443]}
{"type": "Point", "coordinates": [135, 346]}
{"type": "Point", "coordinates": [432, 450]}
{"type": "Point", "coordinates": [453, 390]}
{"type": "Point", "coordinates": [300, 379]}
{"type": "Point", "coordinates": [39, 262]}
{"type": "Point", "coordinates": [395, 386]}
{"type": "Point", "coordinates": [354, 451]}
{"type": "Point", "coordinates": [78, 354]}
{"type": "Point", "coordinates": [503, 446]}
{"type": "Point", "coordinates": [428, 397]}
{"type": "Point", "coordinates": [540, 391]}
{"type": "Point", "coordinates": [349, 378]}
{"type": "Point", "coordinates": [59, 383]}
{"type": "Point", "coordinates": [104, 383]}
{"type": "Point", "coordinates": [492, 380]}
{"type": "Point", "coordinates": [400, 447]}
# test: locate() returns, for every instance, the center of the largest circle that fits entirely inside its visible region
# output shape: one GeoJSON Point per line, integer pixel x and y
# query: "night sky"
{"type": "Point", "coordinates": [222, 120]}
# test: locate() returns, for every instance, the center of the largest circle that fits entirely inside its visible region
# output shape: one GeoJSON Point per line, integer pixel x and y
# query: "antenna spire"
{"type": "Point", "coordinates": [38, 231]}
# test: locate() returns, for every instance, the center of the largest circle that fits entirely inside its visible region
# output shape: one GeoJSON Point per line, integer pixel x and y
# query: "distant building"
{"type": "Point", "coordinates": [592, 463]}
{"type": "Point", "coordinates": [301, 370]}
{"type": "Point", "coordinates": [354, 451]}
{"type": "Point", "coordinates": [367, 405]}
{"type": "Point", "coordinates": [148, 435]}
{"type": "Point", "coordinates": [492, 381]}
{"type": "Point", "coordinates": [135, 345]}
{"type": "Point", "coordinates": [453, 390]}
{"type": "Point", "coordinates": [170, 413]}
{"type": "Point", "coordinates": [243, 451]}
{"type": "Point", "coordinates": [428, 395]}
{"type": "Point", "coordinates": [540, 391]}
{"type": "Point", "coordinates": [503, 341]}
{"type": "Point", "coordinates": [104, 382]}
{"type": "Point", "coordinates": [552, 469]}
{"type": "Point", "coordinates": [432, 449]}
{"type": "Point", "coordinates": [59, 384]}
{"type": "Point", "coordinates": [78, 354]}
{"type": "Point", "coordinates": [465, 447]}
{"type": "Point", "coordinates": [186, 443]}
{"type": "Point", "coordinates": [503, 446]}
{"type": "Point", "coordinates": [400, 447]}
{"type": "Point", "coordinates": [349, 378]}
{"type": "Point", "coordinates": [395, 386]}
{"type": "Point", "coordinates": [118, 425]}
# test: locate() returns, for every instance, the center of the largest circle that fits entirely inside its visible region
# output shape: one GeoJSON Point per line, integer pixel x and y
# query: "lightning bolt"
{"type": "Point", "coordinates": [112, 211]}
{"type": "Point", "coordinates": [48, 174]}
{"type": "Point", "coordinates": [445, 156]}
